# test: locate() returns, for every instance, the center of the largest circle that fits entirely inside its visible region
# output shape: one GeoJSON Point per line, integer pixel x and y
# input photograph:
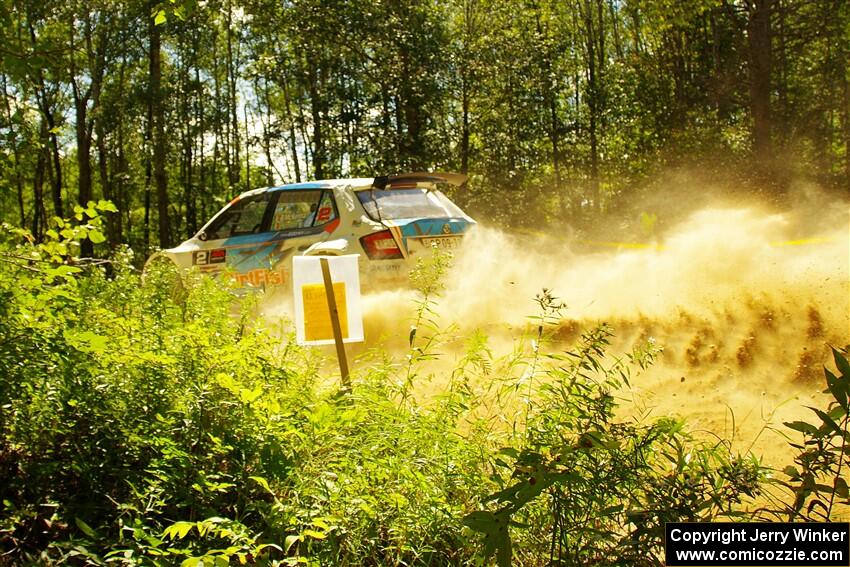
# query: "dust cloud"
{"type": "Point", "coordinates": [744, 300]}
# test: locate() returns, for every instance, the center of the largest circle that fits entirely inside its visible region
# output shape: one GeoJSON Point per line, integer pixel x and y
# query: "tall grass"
{"type": "Point", "coordinates": [143, 427]}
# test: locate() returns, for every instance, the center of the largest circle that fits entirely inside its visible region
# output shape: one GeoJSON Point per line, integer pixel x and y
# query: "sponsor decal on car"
{"type": "Point", "coordinates": [260, 276]}
{"type": "Point", "coordinates": [204, 257]}
{"type": "Point", "coordinates": [324, 214]}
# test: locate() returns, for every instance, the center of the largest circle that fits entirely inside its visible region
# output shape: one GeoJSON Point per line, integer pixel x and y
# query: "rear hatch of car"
{"type": "Point", "coordinates": [419, 218]}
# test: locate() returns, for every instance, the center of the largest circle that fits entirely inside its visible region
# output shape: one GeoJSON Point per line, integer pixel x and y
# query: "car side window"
{"type": "Point", "coordinates": [242, 217]}
{"type": "Point", "coordinates": [298, 209]}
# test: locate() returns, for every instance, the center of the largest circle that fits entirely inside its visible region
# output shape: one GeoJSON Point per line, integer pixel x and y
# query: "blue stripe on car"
{"type": "Point", "coordinates": [296, 186]}
{"type": "Point", "coordinates": [430, 227]}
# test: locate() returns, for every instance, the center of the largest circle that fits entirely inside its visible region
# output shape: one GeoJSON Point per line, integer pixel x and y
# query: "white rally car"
{"type": "Point", "coordinates": [390, 221]}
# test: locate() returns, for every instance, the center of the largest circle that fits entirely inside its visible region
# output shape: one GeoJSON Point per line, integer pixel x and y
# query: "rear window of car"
{"type": "Point", "coordinates": [407, 204]}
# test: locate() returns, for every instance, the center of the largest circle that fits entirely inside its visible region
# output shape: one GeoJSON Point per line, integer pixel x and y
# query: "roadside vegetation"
{"type": "Point", "coordinates": [140, 426]}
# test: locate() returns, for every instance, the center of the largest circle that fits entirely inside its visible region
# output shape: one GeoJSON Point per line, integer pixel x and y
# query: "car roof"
{"type": "Point", "coordinates": [323, 184]}
{"type": "Point", "coordinates": [404, 180]}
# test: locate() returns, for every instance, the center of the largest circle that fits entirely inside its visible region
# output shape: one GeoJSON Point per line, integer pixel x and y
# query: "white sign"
{"type": "Point", "coordinates": [312, 316]}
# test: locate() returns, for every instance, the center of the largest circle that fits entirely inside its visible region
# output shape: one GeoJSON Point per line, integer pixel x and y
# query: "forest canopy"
{"type": "Point", "coordinates": [169, 109]}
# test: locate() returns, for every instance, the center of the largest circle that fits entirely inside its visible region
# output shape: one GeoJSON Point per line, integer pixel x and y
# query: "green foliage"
{"type": "Point", "coordinates": [586, 487]}
{"type": "Point", "coordinates": [427, 279]}
{"type": "Point", "coordinates": [819, 479]}
{"type": "Point", "coordinates": [120, 415]}
{"type": "Point", "coordinates": [163, 10]}
{"type": "Point", "coordinates": [141, 428]}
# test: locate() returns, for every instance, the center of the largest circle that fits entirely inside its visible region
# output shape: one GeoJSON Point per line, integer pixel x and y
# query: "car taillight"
{"type": "Point", "coordinates": [381, 246]}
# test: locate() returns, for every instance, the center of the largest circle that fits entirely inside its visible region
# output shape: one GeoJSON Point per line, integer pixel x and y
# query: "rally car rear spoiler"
{"type": "Point", "coordinates": [406, 179]}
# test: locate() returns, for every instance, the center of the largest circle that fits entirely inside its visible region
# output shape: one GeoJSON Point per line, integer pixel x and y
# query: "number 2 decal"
{"type": "Point", "coordinates": [204, 257]}
{"type": "Point", "coordinates": [324, 214]}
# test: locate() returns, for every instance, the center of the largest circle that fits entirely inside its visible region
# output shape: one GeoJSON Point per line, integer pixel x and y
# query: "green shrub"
{"type": "Point", "coordinates": [143, 427]}
{"type": "Point", "coordinates": [139, 427]}
{"type": "Point", "coordinates": [818, 478]}
{"type": "Point", "coordinates": [584, 487]}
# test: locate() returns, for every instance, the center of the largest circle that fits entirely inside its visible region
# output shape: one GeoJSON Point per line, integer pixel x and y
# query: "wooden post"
{"type": "Point", "coordinates": [340, 347]}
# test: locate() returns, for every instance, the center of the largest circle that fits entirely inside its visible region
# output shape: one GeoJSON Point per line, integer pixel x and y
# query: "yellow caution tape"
{"type": "Point", "coordinates": [632, 245]}
{"type": "Point", "coordinates": [802, 241]}
{"type": "Point", "coordinates": [648, 246]}
{"type": "Point", "coordinates": [644, 246]}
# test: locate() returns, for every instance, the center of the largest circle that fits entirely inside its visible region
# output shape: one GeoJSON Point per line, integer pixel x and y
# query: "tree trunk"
{"type": "Point", "coordinates": [464, 135]}
{"type": "Point", "coordinates": [291, 121]}
{"type": "Point", "coordinates": [247, 150]}
{"type": "Point", "coordinates": [232, 110]}
{"type": "Point", "coordinates": [217, 126]}
{"type": "Point", "coordinates": [397, 158]}
{"type": "Point", "coordinates": [386, 127]}
{"type": "Point", "coordinates": [120, 169]}
{"type": "Point", "coordinates": [550, 96]}
{"type": "Point", "coordinates": [187, 165]}
{"type": "Point", "coordinates": [122, 201]}
{"type": "Point", "coordinates": [146, 229]}
{"type": "Point", "coordinates": [412, 150]}
{"type": "Point", "coordinates": [305, 137]}
{"type": "Point", "coordinates": [845, 126]}
{"type": "Point", "coordinates": [316, 115]}
{"type": "Point", "coordinates": [634, 13]}
{"type": "Point", "coordinates": [514, 179]}
{"type": "Point", "coordinates": [760, 63]}
{"type": "Point", "coordinates": [85, 116]}
{"type": "Point", "coordinates": [615, 28]}
{"type": "Point", "coordinates": [47, 111]}
{"type": "Point", "coordinates": [199, 112]}
{"type": "Point", "coordinates": [267, 130]}
{"type": "Point", "coordinates": [781, 72]}
{"type": "Point", "coordinates": [84, 174]}
{"type": "Point", "coordinates": [555, 137]}
{"type": "Point", "coordinates": [39, 216]}
{"type": "Point", "coordinates": [56, 177]}
{"type": "Point", "coordinates": [592, 104]}
{"type": "Point", "coordinates": [159, 142]}
{"type": "Point", "coordinates": [15, 154]}
{"type": "Point", "coordinates": [113, 220]}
